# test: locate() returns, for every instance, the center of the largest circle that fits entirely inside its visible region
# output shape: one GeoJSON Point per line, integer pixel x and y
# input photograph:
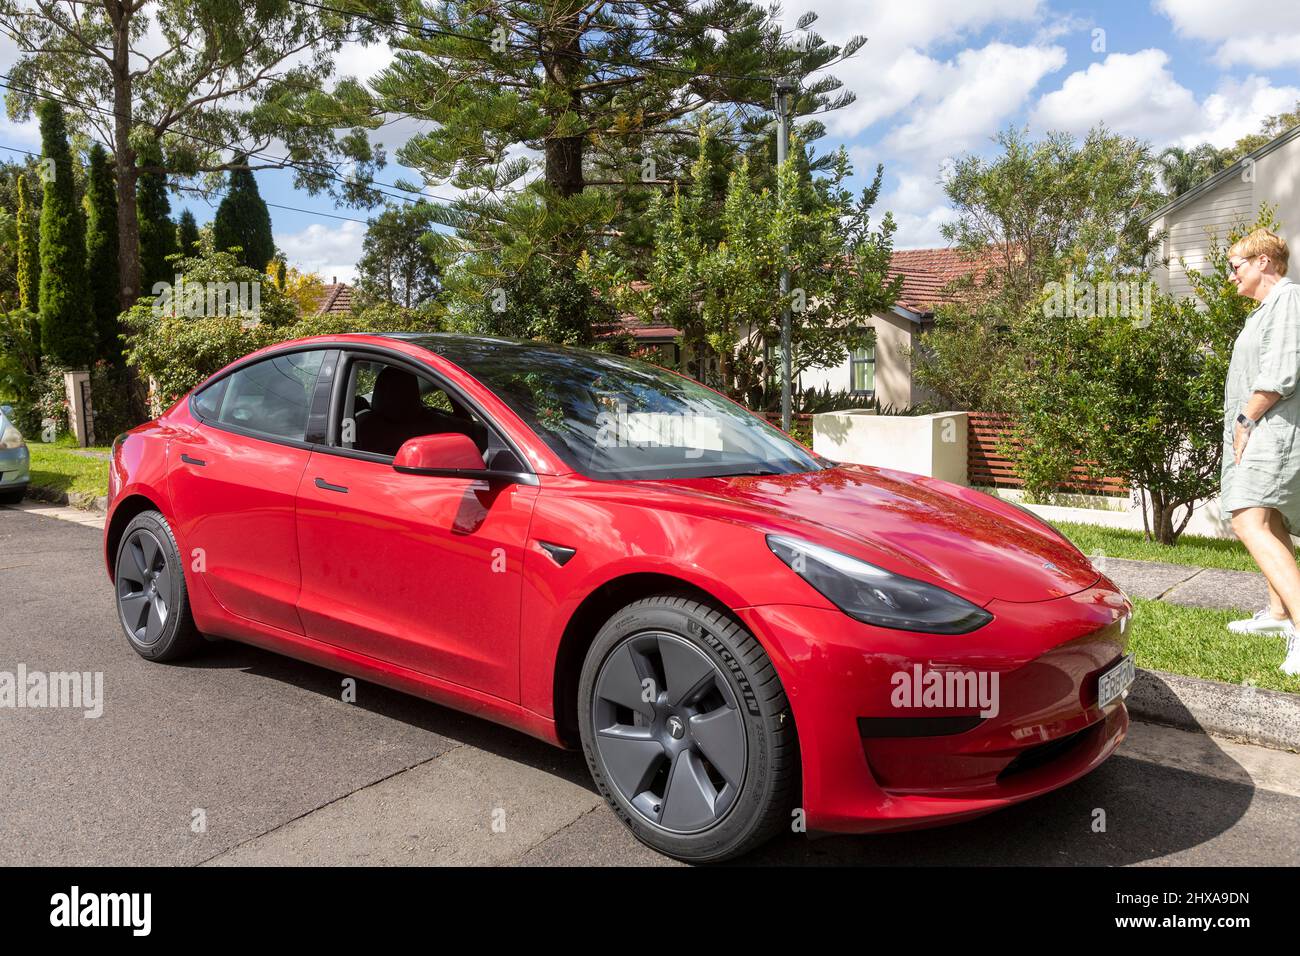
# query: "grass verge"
{"type": "Point", "coordinates": [1226, 553]}
{"type": "Point", "coordinates": [1195, 642]}
{"type": "Point", "coordinates": [61, 467]}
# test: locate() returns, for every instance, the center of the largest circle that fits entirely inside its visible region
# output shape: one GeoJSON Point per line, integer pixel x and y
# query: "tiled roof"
{"type": "Point", "coordinates": [927, 274]}
{"type": "Point", "coordinates": [336, 299]}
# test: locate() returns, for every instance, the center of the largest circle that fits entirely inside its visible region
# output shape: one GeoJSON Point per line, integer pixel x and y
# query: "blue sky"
{"type": "Point", "coordinates": [939, 78]}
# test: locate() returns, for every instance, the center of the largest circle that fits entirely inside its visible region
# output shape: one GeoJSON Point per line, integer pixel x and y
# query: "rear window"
{"type": "Point", "coordinates": [271, 397]}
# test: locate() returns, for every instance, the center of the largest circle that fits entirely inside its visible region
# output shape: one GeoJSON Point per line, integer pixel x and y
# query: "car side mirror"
{"type": "Point", "coordinates": [451, 455]}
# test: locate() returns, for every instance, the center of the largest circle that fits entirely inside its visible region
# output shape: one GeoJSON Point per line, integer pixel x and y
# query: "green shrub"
{"type": "Point", "coordinates": [176, 352]}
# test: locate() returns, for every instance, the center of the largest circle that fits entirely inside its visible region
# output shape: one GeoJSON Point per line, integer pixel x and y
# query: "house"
{"type": "Point", "coordinates": [884, 372]}
{"type": "Point", "coordinates": [336, 298]}
{"type": "Point", "coordinates": [1232, 197]}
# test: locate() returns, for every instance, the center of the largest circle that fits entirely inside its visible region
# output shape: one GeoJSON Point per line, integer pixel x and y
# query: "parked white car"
{"type": "Point", "coordinates": [15, 460]}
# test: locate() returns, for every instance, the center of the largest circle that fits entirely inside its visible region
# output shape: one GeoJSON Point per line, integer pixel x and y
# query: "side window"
{"type": "Point", "coordinates": [386, 405]}
{"type": "Point", "coordinates": [271, 397]}
{"type": "Point", "coordinates": [208, 402]}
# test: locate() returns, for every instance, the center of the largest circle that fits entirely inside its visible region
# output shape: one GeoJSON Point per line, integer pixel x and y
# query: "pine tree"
{"type": "Point", "coordinates": [187, 233]}
{"type": "Point", "coordinates": [66, 333]}
{"type": "Point", "coordinates": [157, 231]}
{"type": "Point", "coordinates": [29, 251]}
{"type": "Point", "coordinates": [243, 220]}
{"type": "Point", "coordinates": [562, 123]}
{"type": "Point", "coordinates": [101, 254]}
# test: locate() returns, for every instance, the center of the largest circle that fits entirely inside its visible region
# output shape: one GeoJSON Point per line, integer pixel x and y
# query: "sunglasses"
{"type": "Point", "coordinates": [1234, 267]}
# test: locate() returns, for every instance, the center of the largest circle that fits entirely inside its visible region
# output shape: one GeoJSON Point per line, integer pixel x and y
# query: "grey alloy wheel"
{"type": "Point", "coordinates": [145, 587]}
{"type": "Point", "coordinates": [669, 732]}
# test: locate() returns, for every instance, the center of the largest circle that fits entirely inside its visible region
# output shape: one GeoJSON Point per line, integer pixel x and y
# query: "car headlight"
{"type": "Point", "coordinates": [876, 596]}
{"type": "Point", "coordinates": [10, 437]}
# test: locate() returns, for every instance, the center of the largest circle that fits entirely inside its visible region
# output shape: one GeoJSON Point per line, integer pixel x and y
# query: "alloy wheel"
{"type": "Point", "coordinates": [669, 732]}
{"type": "Point", "coordinates": [144, 587]}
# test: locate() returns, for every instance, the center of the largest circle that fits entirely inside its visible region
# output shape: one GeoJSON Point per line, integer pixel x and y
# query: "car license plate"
{"type": "Point", "coordinates": [1115, 681]}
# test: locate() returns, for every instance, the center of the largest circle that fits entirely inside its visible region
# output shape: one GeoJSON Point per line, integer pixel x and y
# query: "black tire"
{"type": "Point", "coordinates": [732, 747]}
{"type": "Point", "coordinates": [12, 497]}
{"type": "Point", "coordinates": [152, 599]}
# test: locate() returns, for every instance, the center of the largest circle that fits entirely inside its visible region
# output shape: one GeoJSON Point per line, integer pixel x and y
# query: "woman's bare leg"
{"type": "Point", "coordinates": [1278, 527]}
{"type": "Point", "coordinates": [1275, 556]}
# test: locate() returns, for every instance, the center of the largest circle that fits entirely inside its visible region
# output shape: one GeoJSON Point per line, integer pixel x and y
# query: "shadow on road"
{"type": "Point", "coordinates": [1150, 811]}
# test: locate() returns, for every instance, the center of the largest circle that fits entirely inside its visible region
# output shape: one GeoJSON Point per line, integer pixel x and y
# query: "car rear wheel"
{"type": "Point", "coordinates": [152, 601]}
{"type": "Point", "coordinates": [687, 730]}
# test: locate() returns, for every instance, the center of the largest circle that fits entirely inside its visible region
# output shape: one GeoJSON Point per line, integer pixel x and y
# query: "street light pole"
{"type": "Point", "coordinates": [785, 88]}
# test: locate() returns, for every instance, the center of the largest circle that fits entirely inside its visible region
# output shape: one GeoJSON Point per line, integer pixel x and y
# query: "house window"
{"type": "Point", "coordinates": [862, 371]}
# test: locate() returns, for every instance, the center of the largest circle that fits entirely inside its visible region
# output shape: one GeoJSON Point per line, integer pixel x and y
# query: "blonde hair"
{"type": "Point", "coordinates": [1261, 242]}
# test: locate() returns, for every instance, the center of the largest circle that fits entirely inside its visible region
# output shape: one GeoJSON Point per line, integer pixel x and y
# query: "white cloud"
{"type": "Point", "coordinates": [362, 61]}
{"type": "Point", "coordinates": [970, 97]}
{"type": "Point", "coordinates": [1266, 52]}
{"type": "Point", "coordinates": [1132, 93]}
{"type": "Point", "coordinates": [1266, 37]}
{"type": "Point", "coordinates": [1212, 20]}
{"type": "Point", "coordinates": [893, 69]}
{"type": "Point", "coordinates": [918, 23]}
{"type": "Point", "coordinates": [919, 206]}
{"type": "Point", "coordinates": [329, 250]}
{"type": "Point", "coordinates": [1137, 94]}
{"type": "Point", "coordinates": [1237, 109]}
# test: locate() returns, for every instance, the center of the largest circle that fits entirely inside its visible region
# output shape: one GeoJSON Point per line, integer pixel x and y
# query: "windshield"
{"type": "Point", "coordinates": [610, 417]}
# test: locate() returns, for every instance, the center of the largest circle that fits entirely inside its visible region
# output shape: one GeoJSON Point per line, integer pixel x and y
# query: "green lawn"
{"type": "Point", "coordinates": [61, 466]}
{"type": "Point", "coordinates": [1226, 553]}
{"type": "Point", "coordinates": [1196, 643]}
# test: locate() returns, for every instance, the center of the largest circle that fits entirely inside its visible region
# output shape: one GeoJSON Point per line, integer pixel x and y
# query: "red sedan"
{"type": "Point", "coordinates": [742, 636]}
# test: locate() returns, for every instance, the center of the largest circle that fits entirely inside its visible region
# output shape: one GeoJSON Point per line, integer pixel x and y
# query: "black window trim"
{"type": "Point", "coordinates": [247, 362]}
{"type": "Point", "coordinates": [353, 351]}
{"type": "Point", "coordinates": [346, 351]}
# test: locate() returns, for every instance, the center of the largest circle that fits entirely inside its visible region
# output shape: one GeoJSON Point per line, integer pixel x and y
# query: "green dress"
{"type": "Point", "coordinates": [1265, 358]}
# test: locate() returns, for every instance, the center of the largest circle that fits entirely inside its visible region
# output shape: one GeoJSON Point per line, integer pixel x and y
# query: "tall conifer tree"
{"type": "Point", "coordinates": [67, 335]}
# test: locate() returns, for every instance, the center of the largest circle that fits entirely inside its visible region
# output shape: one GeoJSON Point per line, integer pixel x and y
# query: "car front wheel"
{"type": "Point", "coordinates": [687, 730]}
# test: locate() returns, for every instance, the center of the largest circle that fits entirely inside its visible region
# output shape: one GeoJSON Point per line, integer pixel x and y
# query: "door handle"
{"type": "Point", "coordinates": [326, 486]}
{"type": "Point", "coordinates": [192, 461]}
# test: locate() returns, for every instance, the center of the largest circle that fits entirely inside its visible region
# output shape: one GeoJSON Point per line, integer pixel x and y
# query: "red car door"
{"type": "Point", "coordinates": [233, 482]}
{"type": "Point", "coordinates": [422, 572]}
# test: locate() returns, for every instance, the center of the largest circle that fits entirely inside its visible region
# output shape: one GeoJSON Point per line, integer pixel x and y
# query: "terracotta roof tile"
{"type": "Point", "coordinates": [927, 274]}
{"type": "Point", "coordinates": [336, 299]}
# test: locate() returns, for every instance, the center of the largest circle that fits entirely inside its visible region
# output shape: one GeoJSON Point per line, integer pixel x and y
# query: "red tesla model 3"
{"type": "Point", "coordinates": [741, 635]}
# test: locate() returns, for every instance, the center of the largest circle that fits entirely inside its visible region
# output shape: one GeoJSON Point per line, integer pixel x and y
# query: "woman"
{"type": "Point", "coordinates": [1261, 421]}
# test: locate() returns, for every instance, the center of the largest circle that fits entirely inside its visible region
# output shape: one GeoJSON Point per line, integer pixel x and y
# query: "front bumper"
{"type": "Point", "coordinates": [876, 759]}
{"type": "Point", "coordinates": [15, 468]}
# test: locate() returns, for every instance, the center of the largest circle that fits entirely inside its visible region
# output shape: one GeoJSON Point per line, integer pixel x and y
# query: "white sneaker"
{"type": "Point", "coordinates": [1263, 622]}
{"type": "Point", "coordinates": [1291, 665]}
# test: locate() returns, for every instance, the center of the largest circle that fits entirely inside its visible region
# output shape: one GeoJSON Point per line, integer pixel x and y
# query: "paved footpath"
{"type": "Point", "coordinates": [244, 757]}
{"type": "Point", "coordinates": [1188, 585]}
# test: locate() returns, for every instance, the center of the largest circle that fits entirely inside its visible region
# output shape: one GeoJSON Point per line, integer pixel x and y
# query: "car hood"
{"type": "Point", "coordinates": [927, 528]}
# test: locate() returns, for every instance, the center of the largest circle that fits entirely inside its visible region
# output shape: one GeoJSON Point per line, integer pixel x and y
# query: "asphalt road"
{"type": "Point", "coordinates": [245, 757]}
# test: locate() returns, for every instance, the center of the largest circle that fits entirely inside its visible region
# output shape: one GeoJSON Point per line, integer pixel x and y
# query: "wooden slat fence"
{"type": "Point", "coordinates": [986, 465]}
